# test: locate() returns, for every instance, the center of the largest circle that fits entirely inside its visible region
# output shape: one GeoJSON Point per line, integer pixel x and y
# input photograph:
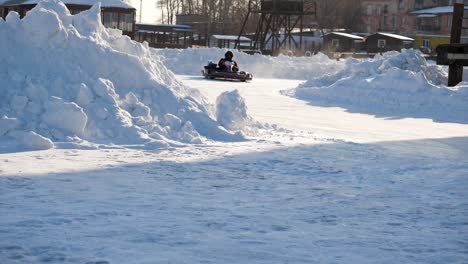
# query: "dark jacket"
{"type": "Point", "coordinates": [223, 64]}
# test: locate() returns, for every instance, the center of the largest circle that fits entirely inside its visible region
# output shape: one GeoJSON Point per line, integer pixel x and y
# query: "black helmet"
{"type": "Point", "coordinates": [229, 54]}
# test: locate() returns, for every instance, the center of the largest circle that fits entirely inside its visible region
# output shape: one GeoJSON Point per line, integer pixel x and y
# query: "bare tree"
{"type": "Point", "coordinates": [224, 16]}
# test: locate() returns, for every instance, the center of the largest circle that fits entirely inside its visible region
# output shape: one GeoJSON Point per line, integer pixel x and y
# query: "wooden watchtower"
{"type": "Point", "coordinates": [278, 20]}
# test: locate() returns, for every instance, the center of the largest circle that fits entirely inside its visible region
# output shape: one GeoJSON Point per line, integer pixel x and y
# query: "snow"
{"type": "Point", "coordinates": [338, 187]}
{"type": "Point", "coordinates": [104, 3]}
{"type": "Point", "coordinates": [118, 93]}
{"type": "Point", "coordinates": [436, 10]}
{"type": "Point", "coordinates": [230, 37]}
{"type": "Point", "coordinates": [338, 179]}
{"type": "Point", "coordinates": [395, 36]}
{"type": "Point", "coordinates": [231, 110]}
{"type": "Point", "coordinates": [191, 61]}
{"type": "Point", "coordinates": [393, 85]}
{"type": "Point", "coordinates": [346, 35]}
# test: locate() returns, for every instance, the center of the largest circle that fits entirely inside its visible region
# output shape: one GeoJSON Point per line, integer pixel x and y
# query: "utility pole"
{"type": "Point", "coordinates": [141, 9]}
{"type": "Point", "coordinates": [456, 70]}
{"type": "Point", "coordinates": [455, 55]}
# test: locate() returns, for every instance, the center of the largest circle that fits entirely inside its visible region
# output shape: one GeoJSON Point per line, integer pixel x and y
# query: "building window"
{"type": "Point", "coordinates": [126, 23]}
{"type": "Point", "coordinates": [381, 43]}
{"type": "Point", "coordinates": [369, 10]}
{"type": "Point", "coordinates": [378, 10]}
{"type": "Point", "coordinates": [426, 43]}
{"type": "Point", "coordinates": [418, 4]}
{"type": "Point", "coordinates": [115, 20]}
{"type": "Point", "coordinates": [401, 4]}
{"type": "Point", "coordinates": [120, 21]}
{"type": "Point", "coordinates": [106, 19]}
{"type": "Point", "coordinates": [335, 43]}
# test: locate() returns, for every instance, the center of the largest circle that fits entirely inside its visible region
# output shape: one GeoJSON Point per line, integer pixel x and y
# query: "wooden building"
{"type": "Point", "coordinates": [165, 36]}
{"type": "Point", "coordinates": [115, 13]}
{"type": "Point", "coordinates": [342, 42]}
{"type": "Point", "coordinates": [382, 42]}
{"type": "Point", "coordinates": [229, 41]}
{"type": "Point", "coordinates": [200, 24]}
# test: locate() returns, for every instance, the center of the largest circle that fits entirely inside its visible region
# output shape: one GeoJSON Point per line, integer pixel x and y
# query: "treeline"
{"type": "Point", "coordinates": [226, 16]}
{"type": "Point", "coordinates": [340, 14]}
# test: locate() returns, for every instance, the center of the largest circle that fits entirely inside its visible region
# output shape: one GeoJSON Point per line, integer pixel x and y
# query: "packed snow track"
{"type": "Point", "coordinates": [326, 186]}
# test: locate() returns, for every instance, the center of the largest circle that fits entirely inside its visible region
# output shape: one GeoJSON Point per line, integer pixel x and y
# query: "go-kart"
{"type": "Point", "coordinates": [212, 71]}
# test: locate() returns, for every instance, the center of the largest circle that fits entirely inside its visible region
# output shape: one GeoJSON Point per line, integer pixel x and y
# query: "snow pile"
{"type": "Point", "coordinates": [231, 111]}
{"type": "Point", "coordinates": [392, 84]}
{"type": "Point", "coordinates": [66, 78]}
{"type": "Point", "coordinates": [191, 61]}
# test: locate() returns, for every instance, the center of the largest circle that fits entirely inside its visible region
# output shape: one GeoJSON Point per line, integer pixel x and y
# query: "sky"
{"type": "Point", "coordinates": [150, 14]}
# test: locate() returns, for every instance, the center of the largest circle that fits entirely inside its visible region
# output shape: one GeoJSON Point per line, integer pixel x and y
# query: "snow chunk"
{"type": "Point", "coordinates": [7, 124]}
{"type": "Point", "coordinates": [31, 140]}
{"type": "Point", "coordinates": [231, 111]}
{"type": "Point", "coordinates": [66, 116]}
{"type": "Point", "coordinates": [85, 95]}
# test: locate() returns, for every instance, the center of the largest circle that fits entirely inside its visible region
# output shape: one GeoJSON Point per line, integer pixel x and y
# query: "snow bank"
{"type": "Point", "coordinates": [394, 84]}
{"type": "Point", "coordinates": [191, 61]}
{"type": "Point", "coordinates": [66, 78]}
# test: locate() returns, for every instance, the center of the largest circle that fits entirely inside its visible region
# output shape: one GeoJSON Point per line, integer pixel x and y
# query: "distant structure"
{"type": "Point", "coordinates": [428, 22]}
{"type": "Point", "coordinates": [114, 13]}
{"type": "Point", "coordinates": [165, 36]}
{"type": "Point", "coordinates": [342, 42]}
{"type": "Point", "coordinates": [277, 23]}
{"type": "Point", "coordinates": [199, 23]}
{"type": "Point", "coordinates": [228, 41]}
{"type": "Point", "coordinates": [382, 42]}
{"type": "Point", "coordinates": [388, 16]}
{"type": "Point", "coordinates": [433, 26]}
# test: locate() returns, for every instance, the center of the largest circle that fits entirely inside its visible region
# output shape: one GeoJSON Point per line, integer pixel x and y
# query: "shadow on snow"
{"type": "Point", "coordinates": [340, 202]}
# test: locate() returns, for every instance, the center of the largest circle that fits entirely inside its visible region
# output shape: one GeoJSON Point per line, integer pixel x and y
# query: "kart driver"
{"type": "Point", "coordinates": [228, 64]}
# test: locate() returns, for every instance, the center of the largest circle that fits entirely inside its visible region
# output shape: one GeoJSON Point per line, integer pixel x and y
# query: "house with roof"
{"type": "Point", "coordinates": [114, 13]}
{"type": "Point", "coordinates": [382, 42]}
{"type": "Point", "coordinates": [229, 41]}
{"type": "Point", "coordinates": [433, 26]}
{"type": "Point", "coordinates": [342, 42]}
{"type": "Point", "coordinates": [165, 35]}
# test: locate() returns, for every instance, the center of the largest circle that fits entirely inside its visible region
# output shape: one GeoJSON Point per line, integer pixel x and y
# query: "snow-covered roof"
{"type": "Point", "coordinates": [166, 25]}
{"type": "Point", "coordinates": [427, 15]}
{"type": "Point", "coordinates": [230, 37]}
{"type": "Point", "coordinates": [347, 35]}
{"type": "Point", "coordinates": [104, 3]}
{"type": "Point", "coordinates": [436, 10]}
{"type": "Point", "coordinates": [395, 36]}
{"type": "Point", "coordinates": [155, 28]}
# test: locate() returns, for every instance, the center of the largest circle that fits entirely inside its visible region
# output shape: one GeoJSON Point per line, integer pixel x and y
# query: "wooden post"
{"type": "Point", "coordinates": [456, 70]}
